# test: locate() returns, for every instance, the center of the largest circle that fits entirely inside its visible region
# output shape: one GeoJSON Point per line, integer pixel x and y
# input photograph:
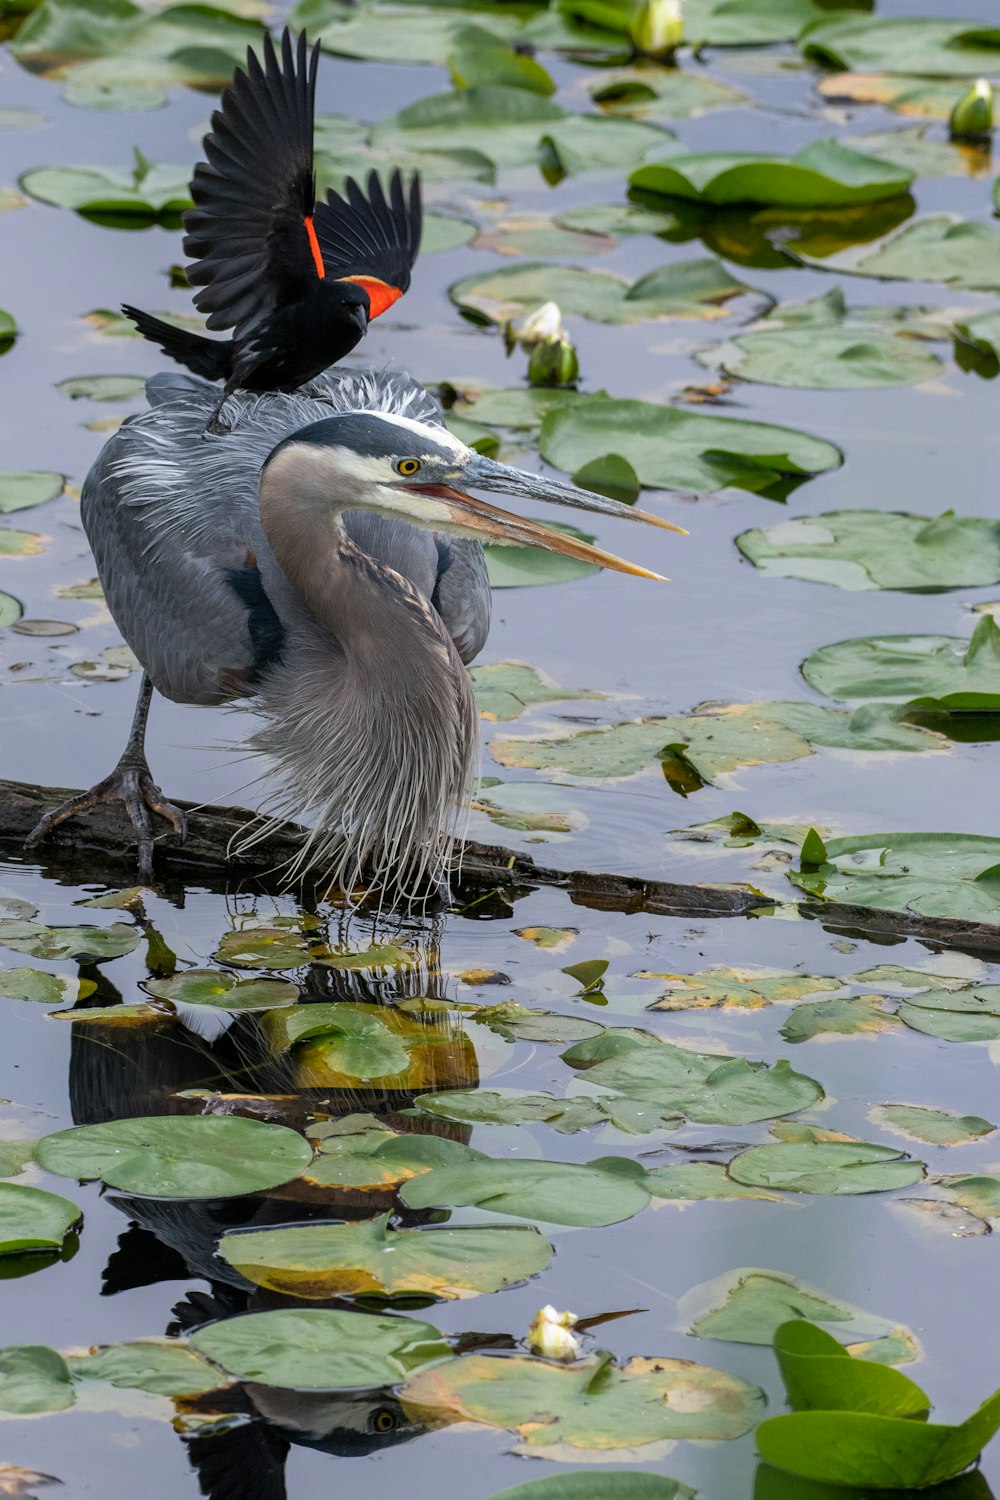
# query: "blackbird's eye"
{"type": "Point", "coordinates": [384, 1420]}
{"type": "Point", "coordinates": [407, 466]}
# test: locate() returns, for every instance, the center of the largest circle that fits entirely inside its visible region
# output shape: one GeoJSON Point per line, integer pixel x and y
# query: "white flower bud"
{"type": "Point", "coordinates": [657, 28]}
{"type": "Point", "coordinates": [544, 323]}
{"type": "Point", "coordinates": [550, 1335]}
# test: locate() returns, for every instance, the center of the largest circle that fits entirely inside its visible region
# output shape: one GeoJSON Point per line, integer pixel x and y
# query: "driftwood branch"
{"type": "Point", "coordinates": [103, 842]}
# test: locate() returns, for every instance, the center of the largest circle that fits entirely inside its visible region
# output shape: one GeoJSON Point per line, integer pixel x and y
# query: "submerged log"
{"type": "Point", "coordinates": [98, 846]}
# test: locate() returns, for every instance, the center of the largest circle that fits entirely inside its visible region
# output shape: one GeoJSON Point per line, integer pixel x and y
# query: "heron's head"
{"type": "Point", "coordinates": [419, 473]}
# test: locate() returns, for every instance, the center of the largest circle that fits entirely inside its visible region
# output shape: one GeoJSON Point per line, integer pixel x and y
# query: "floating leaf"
{"type": "Point", "coordinates": [50, 989]}
{"type": "Point", "coordinates": [534, 234]}
{"type": "Point", "coordinates": [957, 252]}
{"type": "Point", "coordinates": [592, 1406]}
{"type": "Point", "coordinates": [33, 1220]}
{"type": "Point", "coordinates": [315, 1348]}
{"type": "Point", "coordinates": [340, 1045]}
{"type": "Point", "coordinates": [937, 1127]}
{"type": "Point", "coordinates": [443, 232]}
{"type": "Point", "coordinates": [150, 192]}
{"type": "Point", "coordinates": [662, 93]}
{"type": "Point", "coordinates": [216, 987]}
{"type": "Point", "coordinates": [618, 218]}
{"type": "Point", "coordinates": [614, 1484]}
{"type": "Point", "coordinates": [161, 1367]}
{"type": "Point", "coordinates": [694, 1181]}
{"type": "Point", "coordinates": [10, 610]}
{"type": "Point", "coordinates": [84, 943]}
{"type": "Point", "coordinates": [33, 1379]}
{"type": "Point", "coordinates": [910, 149]}
{"type": "Point", "coordinates": [374, 1160]}
{"type": "Point", "coordinates": [523, 1107]}
{"type": "Point", "coordinates": [552, 939]}
{"type": "Point", "coordinates": [14, 1157]}
{"type": "Point", "coordinates": [524, 567]}
{"type": "Point", "coordinates": [824, 174]}
{"type": "Point", "coordinates": [847, 358]}
{"type": "Point", "coordinates": [967, 1015]}
{"type": "Point", "coordinates": [907, 94]}
{"type": "Point", "coordinates": [173, 1157]}
{"type": "Point", "coordinates": [860, 1015]}
{"type": "Point", "coordinates": [940, 671]}
{"type": "Point", "coordinates": [554, 1192]}
{"type": "Point", "coordinates": [747, 1306]}
{"type": "Point", "coordinates": [319, 1261]}
{"type": "Point", "coordinates": [519, 1023]}
{"type": "Point", "coordinates": [505, 689]}
{"type": "Point", "coordinates": [114, 665]}
{"type": "Point", "coordinates": [411, 35]}
{"type": "Point", "coordinates": [688, 289]}
{"type": "Point", "coordinates": [819, 1374]}
{"type": "Point", "coordinates": [933, 874]}
{"type": "Point", "coordinates": [826, 1167]}
{"type": "Point", "coordinates": [103, 387]}
{"type": "Point", "coordinates": [735, 989]}
{"type": "Point", "coordinates": [952, 49]}
{"type": "Point", "coordinates": [264, 948]}
{"type": "Point", "coordinates": [478, 56]}
{"type": "Point", "coordinates": [19, 543]}
{"type": "Point", "coordinates": [20, 490]}
{"type": "Point", "coordinates": [876, 549]}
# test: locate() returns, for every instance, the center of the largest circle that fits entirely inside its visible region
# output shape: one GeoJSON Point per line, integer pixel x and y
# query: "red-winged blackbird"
{"type": "Point", "coordinates": [297, 281]}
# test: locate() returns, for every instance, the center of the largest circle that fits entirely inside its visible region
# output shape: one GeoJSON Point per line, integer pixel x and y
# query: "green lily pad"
{"type": "Point", "coordinates": [33, 1220]}
{"type": "Point", "coordinates": [932, 874]}
{"type": "Point", "coordinates": [876, 549]}
{"type": "Point", "coordinates": [148, 192]}
{"type": "Point", "coordinates": [695, 1181]}
{"type": "Point", "coordinates": [404, 34]}
{"type": "Point", "coordinates": [162, 1367]}
{"type": "Point", "coordinates": [15, 1156]}
{"type": "Point", "coordinates": [824, 174]}
{"type": "Point", "coordinates": [535, 234]}
{"type": "Point", "coordinates": [936, 1127]}
{"type": "Point", "coordinates": [946, 49]}
{"type": "Point", "coordinates": [319, 1261]}
{"type": "Point", "coordinates": [554, 1192]}
{"type": "Point", "coordinates": [940, 671]}
{"type": "Point", "coordinates": [847, 358]}
{"type": "Point", "coordinates": [216, 987]}
{"type": "Point", "coordinates": [445, 232]}
{"type": "Point", "coordinates": [820, 1375]}
{"type": "Point", "coordinates": [748, 1305]}
{"type": "Point", "coordinates": [968, 1015]}
{"type": "Point", "coordinates": [591, 1406]}
{"type": "Point", "coordinates": [693, 288]}
{"type": "Point", "coordinates": [11, 610]}
{"type": "Point", "coordinates": [859, 1015]}
{"type": "Point", "coordinates": [520, 1023]}
{"type": "Point", "coordinates": [710, 1088]}
{"type": "Point", "coordinates": [662, 93]}
{"type": "Point", "coordinates": [530, 567]}
{"type": "Point", "coordinates": [50, 989]}
{"type": "Point", "coordinates": [825, 1167]}
{"type": "Point", "coordinates": [505, 689]}
{"type": "Point", "coordinates": [614, 1484]}
{"type": "Point", "coordinates": [22, 490]}
{"type": "Point", "coordinates": [910, 149]}
{"type": "Point", "coordinates": [478, 56]}
{"type": "Point", "coordinates": [736, 989]}
{"type": "Point", "coordinates": [340, 1045]}
{"type": "Point", "coordinates": [511, 1107]}
{"type": "Point", "coordinates": [19, 543]}
{"type": "Point", "coordinates": [367, 1159]}
{"type": "Point", "coordinates": [316, 1348]}
{"type": "Point", "coordinates": [110, 94]}
{"type": "Point", "coordinates": [88, 943]}
{"type": "Point", "coordinates": [206, 1156]}
{"type": "Point", "coordinates": [942, 248]}
{"type": "Point", "coordinates": [618, 218]}
{"type": "Point", "coordinates": [673, 449]}
{"type": "Point", "coordinates": [103, 387]}
{"type": "Point", "coordinates": [33, 1379]}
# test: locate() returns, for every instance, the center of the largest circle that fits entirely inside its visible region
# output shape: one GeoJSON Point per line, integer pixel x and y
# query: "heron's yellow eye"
{"type": "Point", "coordinates": [384, 1421]}
{"type": "Point", "coordinates": [407, 466]}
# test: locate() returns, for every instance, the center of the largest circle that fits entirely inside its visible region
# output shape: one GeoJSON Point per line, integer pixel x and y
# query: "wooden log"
{"type": "Point", "coordinates": [101, 845]}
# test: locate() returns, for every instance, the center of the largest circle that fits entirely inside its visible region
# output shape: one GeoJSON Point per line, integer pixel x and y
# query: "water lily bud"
{"type": "Point", "coordinates": [544, 323]}
{"type": "Point", "coordinates": [657, 28]}
{"type": "Point", "coordinates": [972, 117]}
{"type": "Point", "coordinates": [550, 1335]}
{"type": "Point", "coordinates": [553, 362]}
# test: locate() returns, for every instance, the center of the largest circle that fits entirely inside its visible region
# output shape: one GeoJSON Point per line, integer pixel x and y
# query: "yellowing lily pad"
{"type": "Point", "coordinates": [736, 989]}
{"type": "Point", "coordinates": [936, 1127]}
{"type": "Point", "coordinates": [504, 690]}
{"type": "Point", "coordinates": [346, 1044]}
{"type": "Point", "coordinates": [368, 1159]}
{"type": "Point", "coordinates": [857, 1015]}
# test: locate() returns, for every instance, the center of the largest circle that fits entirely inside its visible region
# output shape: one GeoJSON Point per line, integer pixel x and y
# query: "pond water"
{"type": "Point", "coordinates": [721, 630]}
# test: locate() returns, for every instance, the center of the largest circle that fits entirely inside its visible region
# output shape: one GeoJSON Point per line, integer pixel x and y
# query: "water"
{"type": "Point", "coordinates": [720, 630]}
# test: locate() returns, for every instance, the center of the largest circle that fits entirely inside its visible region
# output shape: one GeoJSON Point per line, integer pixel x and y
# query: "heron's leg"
{"type": "Point", "coordinates": [129, 783]}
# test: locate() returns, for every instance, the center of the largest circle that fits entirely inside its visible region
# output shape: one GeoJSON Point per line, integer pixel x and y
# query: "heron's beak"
{"type": "Point", "coordinates": [484, 473]}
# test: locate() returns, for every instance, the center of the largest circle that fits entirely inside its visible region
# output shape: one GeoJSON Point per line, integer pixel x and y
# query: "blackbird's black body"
{"type": "Point", "coordinates": [297, 280]}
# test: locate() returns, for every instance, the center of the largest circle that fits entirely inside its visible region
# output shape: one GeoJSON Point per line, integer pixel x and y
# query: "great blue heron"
{"type": "Point", "coordinates": [319, 561]}
{"type": "Point", "coordinates": [297, 280]}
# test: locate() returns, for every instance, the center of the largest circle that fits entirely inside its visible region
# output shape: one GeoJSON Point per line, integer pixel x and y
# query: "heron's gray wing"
{"type": "Point", "coordinates": [462, 593]}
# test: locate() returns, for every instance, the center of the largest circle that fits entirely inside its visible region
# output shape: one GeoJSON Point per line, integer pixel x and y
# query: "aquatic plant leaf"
{"type": "Point", "coordinates": [317, 1348]}
{"type": "Point", "coordinates": [613, 1484]}
{"type": "Point", "coordinates": [33, 1379]}
{"type": "Point", "coordinates": [673, 449]}
{"type": "Point", "coordinates": [19, 543]}
{"type": "Point", "coordinates": [375, 1160]}
{"type": "Point", "coordinates": [340, 1045]}
{"type": "Point", "coordinates": [952, 673]}
{"type": "Point", "coordinates": [592, 1405]}
{"type": "Point", "coordinates": [93, 943]}
{"type": "Point", "coordinates": [748, 1305]}
{"type": "Point", "coordinates": [443, 232]}
{"type": "Point", "coordinates": [103, 387]}
{"type": "Point", "coordinates": [552, 1191]}
{"type": "Point", "coordinates": [957, 252]}
{"type": "Point", "coordinates": [910, 148]}
{"type": "Point", "coordinates": [907, 94]}
{"type": "Point", "coordinates": [205, 1156]}
{"type": "Point", "coordinates": [710, 1088]}
{"type": "Point", "coordinates": [22, 489]}
{"type": "Point", "coordinates": [846, 358]}
{"type": "Point", "coordinates": [876, 549]}
{"type": "Point", "coordinates": [694, 1181]}
{"type": "Point", "coordinates": [14, 1157]}
{"type": "Point", "coordinates": [31, 1219]}
{"type": "Point", "coordinates": [506, 688]}
{"type": "Point", "coordinates": [529, 567]}
{"type": "Point", "coordinates": [936, 1127]}
{"type": "Point", "coordinates": [319, 1261]}
{"type": "Point", "coordinates": [408, 35]}
{"type": "Point", "coordinates": [686, 289]}
{"type": "Point", "coordinates": [520, 1023]}
{"type": "Point", "coordinates": [217, 988]}
{"type": "Point", "coordinates": [825, 1167]}
{"type": "Point", "coordinates": [947, 49]}
{"type": "Point", "coordinates": [661, 94]}
{"type": "Point", "coordinates": [151, 1013]}
{"type": "Point", "coordinates": [824, 174]}
{"type": "Point", "coordinates": [160, 1366]}
{"type": "Point", "coordinates": [934, 874]}
{"type": "Point", "coordinates": [736, 989]}
{"type": "Point", "coordinates": [161, 191]}
{"type": "Point", "coordinates": [11, 609]}
{"type": "Point", "coordinates": [618, 218]}
{"type": "Point", "coordinates": [820, 1375]}
{"type": "Point", "coordinates": [478, 56]}
{"type": "Point", "coordinates": [104, 92]}
{"type": "Point", "coordinates": [511, 1107]}
{"type": "Point", "coordinates": [550, 939]}
{"type": "Point", "coordinates": [976, 1021]}
{"type": "Point", "coordinates": [36, 984]}
{"type": "Point", "coordinates": [858, 1015]}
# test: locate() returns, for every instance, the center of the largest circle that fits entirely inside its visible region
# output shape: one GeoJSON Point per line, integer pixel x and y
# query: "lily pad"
{"type": "Point", "coordinates": [616, 1484]}
{"type": "Point", "coordinates": [531, 567]}
{"type": "Point", "coordinates": [939, 671]}
{"type": "Point", "coordinates": [478, 56]}
{"type": "Point", "coordinates": [826, 1167]}
{"type": "Point", "coordinates": [824, 174]}
{"type": "Point", "coordinates": [941, 248]}
{"type": "Point", "coordinates": [819, 1374]}
{"type": "Point", "coordinates": [316, 1348]}
{"type": "Point", "coordinates": [662, 93]}
{"type": "Point", "coordinates": [936, 1127]}
{"type": "Point", "coordinates": [33, 1220]}
{"type": "Point", "coordinates": [367, 1159]}
{"type": "Point", "coordinates": [594, 1406]}
{"type": "Point", "coordinates": [19, 543]}
{"type": "Point", "coordinates": [859, 1015]}
{"type": "Point", "coordinates": [11, 610]}
{"type": "Point", "coordinates": [846, 358]}
{"type": "Point", "coordinates": [907, 94]}
{"type": "Point", "coordinates": [876, 549]}
{"type": "Point", "coordinates": [504, 690]}
{"type": "Point", "coordinates": [50, 989]}
{"type": "Point", "coordinates": [552, 1191]}
{"type": "Point", "coordinates": [401, 34]}
{"type": "Point", "coordinates": [86, 943]}
{"type": "Point", "coordinates": [968, 1015]}
{"type": "Point", "coordinates": [748, 1305]}
{"type": "Point", "coordinates": [695, 1181]}
{"type": "Point", "coordinates": [33, 1379]}
{"type": "Point", "coordinates": [148, 192]}
{"type": "Point", "coordinates": [15, 1156]}
{"type": "Point", "coordinates": [207, 1156]}
{"type": "Point", "coordinates": [319, 1261]}
{"type": "Point", "coordinates": [443, 232]}
{"type": "Point", "coordinates": [21, 490]}
{"type": "Point", "coordinates": [103, 387]}
{"type": "Point", "coordinates": [946, 49]}
{"type": "Point", "coordinates": [736, 989]}
{"type": "Point", "coordinates": [932, 874]}
{"type": "Point", "coordinates": [344, 1044]}
{"type": "Point", "coordinates": [162, 1367]}
{"type": "Point", "coordinates": [217, 988]}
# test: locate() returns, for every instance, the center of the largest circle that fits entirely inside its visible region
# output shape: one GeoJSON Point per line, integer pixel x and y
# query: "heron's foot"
{"type": "Point", "coordinates": [131, 784]}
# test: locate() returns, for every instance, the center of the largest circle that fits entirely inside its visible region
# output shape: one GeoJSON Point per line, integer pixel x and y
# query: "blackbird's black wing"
{"type": "Point", "coordinates": [249, 233]}
{"type": "Point", "coordinates": [370, 238]}
{"type": "Point", "coordinates": [245, 1462]}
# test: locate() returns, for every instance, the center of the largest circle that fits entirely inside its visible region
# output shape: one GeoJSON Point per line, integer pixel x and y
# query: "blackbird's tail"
{"type": "Point", "coordinates": [210, 358]}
